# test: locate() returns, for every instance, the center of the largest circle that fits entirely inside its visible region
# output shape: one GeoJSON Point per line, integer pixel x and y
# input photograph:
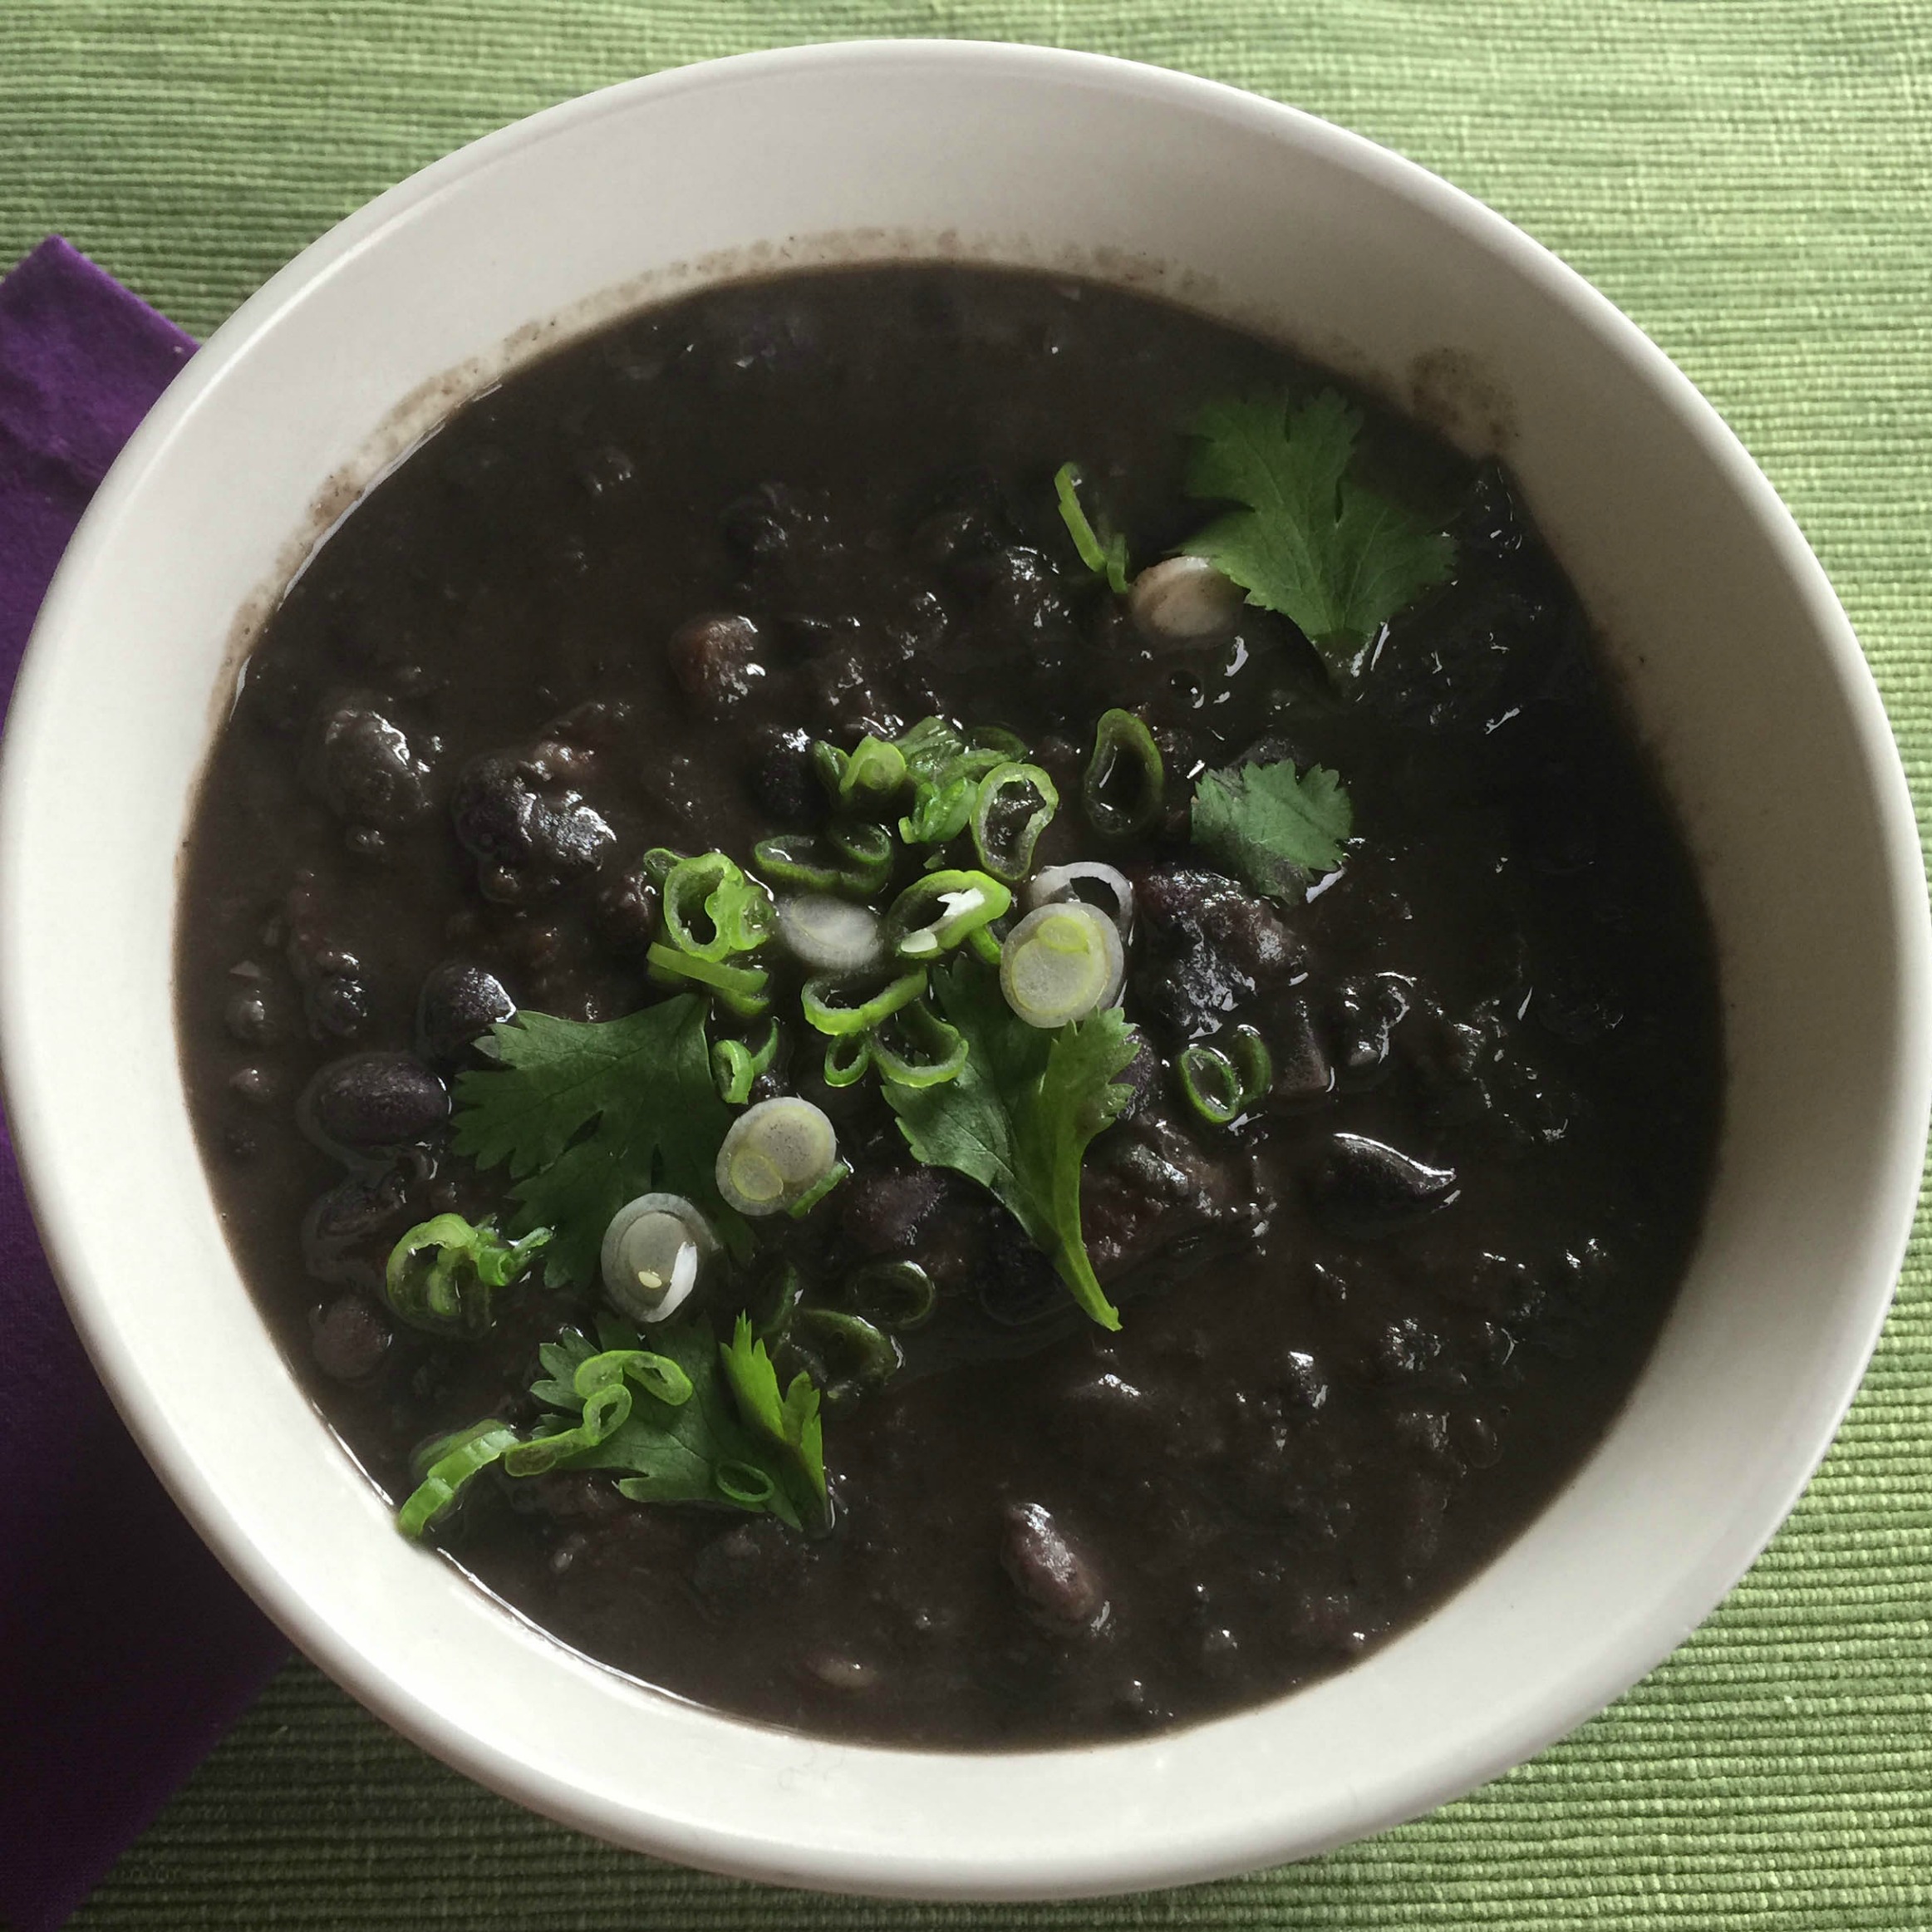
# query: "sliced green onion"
{"type": "Point", "coordinates": [867, 853]}
{"type": "Point", "coordinates": [1104, 556]}
{"type": "Point", "coordinates": [829, 762]}
{"type": "Point", "coordinates": [838, 1171]}
{"type": "Point", "coordinates": [1061, 963]}
{"type": "Point", "coordinates": [1211, 1084]}
{"type": "Point", "coordinates": [654, 1252]}
{"type": "Point", "coordinates": [854, 857]}
{"type": "Point", "coordinates": [941, 810]}
{"type": "Point", "coordinates": [774, 1153]}
{"type": "Point", "coordinates": [897, 1296]}
{"type": "Point", "coordinates": [606, 1409]}
{"type": "Point", "coordinates": [1057, 883]}
{"type": "Point", "coordinates": [658, 862]}
{"type": "Point", "coordinates": [985, 943]}
{"type": "Point", "coordinates": [996, 737]}
{"type": "Point", "coordinates": [1127, 779]}
{"type": "Point", "coordinates": [443, 1466]}
{"type": "Point", "coordinates": [1252, 1061]}
{"type": "Point", "coordinates": [847, 1057]}
{"type": "Point", "coordinates": [455, 1292]}
{"type": "Point", "coordinates": [862, 1354]}
{"type": "Point", "coordinates": [826, 934]}
{"type": "Point", "coordinates": [787, 1286]}
{"type": "Point", "coordinates": [740, 988]}
{"type": "Point", "coordinates": [712, 911]}
{"type": "Point", "coordinates": [657, 1375]}
{"type": "Point", "coordinates": [829, 1002]}
{"type": "Point", "coordinates": [1220, 1085]}
{"type": "Point", "coordinates": [937, 1050]}
{"type": "Point", "coordinates": [743, 1483]}
{"type": "Point", "coordinates": [1015, 805]}
{"type": "Point", "coordinates": [735, 1065]}
{"type": "Point", "coordinates": [931, 743]}
{"type": "Point", "coordinates": [939, 911]}
{"type": "Point", "coordinates": [872, 777]}
{"type": "Point", "coordinates": [799, 858]}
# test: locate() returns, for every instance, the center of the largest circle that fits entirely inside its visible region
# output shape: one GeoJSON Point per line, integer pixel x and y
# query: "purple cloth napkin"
{"type": "Point", "coordinates": [125, 1650]}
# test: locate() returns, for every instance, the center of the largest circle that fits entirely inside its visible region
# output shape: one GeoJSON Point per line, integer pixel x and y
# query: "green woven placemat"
{"type": "Point", "coordinates": [1747, 178]}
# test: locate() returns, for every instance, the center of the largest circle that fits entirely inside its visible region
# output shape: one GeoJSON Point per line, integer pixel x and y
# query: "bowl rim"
{"type": "Point", "coordinates": [931, 1870]}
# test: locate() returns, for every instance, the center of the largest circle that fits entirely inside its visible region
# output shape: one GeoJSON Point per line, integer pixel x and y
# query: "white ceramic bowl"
{"type": "Point", "coordinates": [1739, 664]}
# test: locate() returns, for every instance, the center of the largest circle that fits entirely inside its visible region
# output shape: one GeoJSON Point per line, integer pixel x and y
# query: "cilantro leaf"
{"type": "Point", "coordinates": [791, 1422]}
{"type": "Point", "coordinates": [588, 1114]}
{"type": "Point", "coordinates": [1019, 1116]}
{"type": "Point", "coordinates": [1104, 556]}
{"type": "Point", "coordinates": [1273, 830]}
{"type": "Point", "coordinates": [1336, 559]}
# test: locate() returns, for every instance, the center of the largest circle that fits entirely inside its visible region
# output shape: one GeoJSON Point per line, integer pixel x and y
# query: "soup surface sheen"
{"type": "Point", "coordinates": [1368, 1328]}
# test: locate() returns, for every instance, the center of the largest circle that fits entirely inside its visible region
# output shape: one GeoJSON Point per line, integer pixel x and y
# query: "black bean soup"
{"type": "Point", "coordinates": [1059, 939]}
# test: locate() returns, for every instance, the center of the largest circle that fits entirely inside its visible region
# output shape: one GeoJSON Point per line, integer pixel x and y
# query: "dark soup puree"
{"type": "Point", "coordinates": [945, 1007]}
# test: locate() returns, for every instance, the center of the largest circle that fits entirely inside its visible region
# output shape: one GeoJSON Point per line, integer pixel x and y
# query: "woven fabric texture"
{"type": "Point", "coordinates": [1749, 179]}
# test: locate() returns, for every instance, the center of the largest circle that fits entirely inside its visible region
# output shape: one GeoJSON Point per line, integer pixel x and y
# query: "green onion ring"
{"type": "Point", "coordinates": [1122, 744]}
{"type": "Point", "coordinates": [939, 1048]}
{"type": "Point", "coordinates": [819, 998]}
{"type": "Point", "coordinates": [734, 1065]}
{"type": "Point", "coordinates": [873, 776]}
{"type": "Point", "coordinates": [942, 910]}
{"type": "Point", "coordinates": [1008, 854]}
{"type": "Point", "coordinates": [847, 1057]}
{"type": "Point", "coordinates": [740, 988]}
{"type": "Point", "coordinates": [897, 1296]}
{"type": "Point", "coordinates": [445, 1465]}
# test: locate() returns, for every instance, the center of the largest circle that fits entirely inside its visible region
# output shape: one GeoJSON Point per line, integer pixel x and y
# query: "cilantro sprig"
{"type": "Point", "coordinates": [1336, 559]}
{"type": "Point", "coordinates": [1019, 1113]}
{"type": "Point", "coordinates": [586, 1115]}
{"type": "Point", "coordinates": [688, 1421]}
{"type": "Point", "coordinates": [1271, 827]}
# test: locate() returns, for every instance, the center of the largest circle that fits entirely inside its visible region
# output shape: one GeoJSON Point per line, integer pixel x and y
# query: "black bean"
{"type": "Point", "coordinates": [754, 1561]}
{"type": "Point", "coordinates": [626, 912]}
{"type": "Point", "coordinates": [1304, 1386]}
{"type": "Point", "coordinates": [254, 1084]}
{"type": "Point", "coordinates": [883, 1211]}
{"type": "Point", "coordinates": [528, 832]}
{"type": "Point", "coordinates": [1366, 1186]}
{"type": "Point", "coordinates": [347, 1232]}
{"type": "Point", "coordinates": [605, 471]}
{"type": "Point", "coordinates": [716, 660]}
{"type": "Point", "coordinates": [249, 1015]}
{"type": "Point", "coordinates": [366, 769]}
{"type": "Point", "coordinates": [336, 1005]}
{"type": "Point", "coordinates": [854, 692]}
{"type": "Point", "coordinates": [1191, 988]}
{"type": "Point", "coordinates": [1020, 593]}
{"type": "Point", "coordinates": [1250, 935]}
{"type": "Point", "coordinates": [1018, 1287]}
{"type": "Point", "coordinates": [373, 1100]}
{"type": "Point", "coordinates": [1331, 1620]}
{"type": "Point", "coordinates": [348, 1339]}
{"type": "Point", "coordinates": [780, 778]}
{"type": "Point", "coordinates": [1058, 1584]}
{"type": "Point", "coordinates": [1302, 1072]}
{"type": "Point", "coordinates": [459, 1003]}
{"type": "Point", "coordinates": [1365, 1014]}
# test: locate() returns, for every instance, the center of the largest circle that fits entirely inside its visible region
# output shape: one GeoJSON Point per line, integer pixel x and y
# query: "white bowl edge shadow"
{"type": "Point", "coordinates": [1560, 1624]}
